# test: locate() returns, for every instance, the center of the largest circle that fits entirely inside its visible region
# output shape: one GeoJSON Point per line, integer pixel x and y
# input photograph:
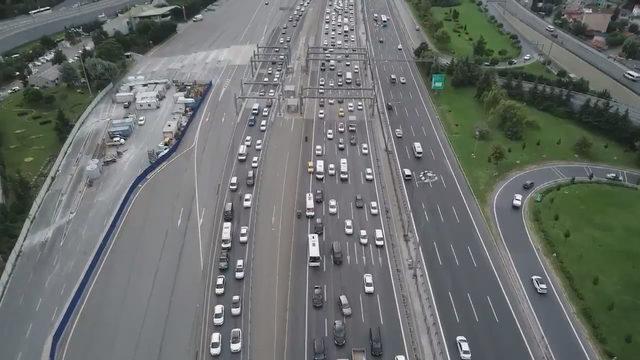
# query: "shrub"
{"type": "Point", "coordinates": [36, 117]}
{"type": "Point", "coordinates": [23, 113]}
{"type": "Point", "coordinates": [500, 25]}
{"type": "Point", "coordinates": [44, 122]}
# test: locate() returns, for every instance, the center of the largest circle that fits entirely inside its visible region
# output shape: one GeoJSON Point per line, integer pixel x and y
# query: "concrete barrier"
{"type": "Point", "coordinates": [17, 248]}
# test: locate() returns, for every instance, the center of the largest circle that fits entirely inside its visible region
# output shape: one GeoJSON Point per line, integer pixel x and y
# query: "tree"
{"type": "Point", "coordinates": [442, 37]}
{"type": "Point", "coordinates": [615, 39]}
{"type": "Point", "coordinates": [47, 42]}
{"type": "Point", "coordinates": [485, 83]}
{"type": "Point", "coordinates": [69, 74]}
{"type": "Point", "coordinates": [98, 36]}
{"type": "Point", "coordinates": [497, 154]}
{"type": "Point", "coordinates": [455, 14]}
{"type": "Point", "coordinates": [421, 49]}
{"type": "Point", "coordinates": [100, 70]}
{"type": "Point", "coordinates": [583, 146]}
{"type": "Point", "coordinates": [32, 95]}
{"type": "Point", "coordinates": [562, 73]}
{"type": "Point", "coordinates": [480, 47]}
{"type": "Point", "coordinates": [631, 47]}
{"type": "Point", "coordinates": [62, 126]}
{"type": "Point", "coordinates": [511, 118]}
{"type": "Point", "coordinates": [492, 97]}
{"type": "Point", "coordinates": [110, 50]}
{"type": "Point", "coordinates": [633, 28]}
{"type": "Point", "coordinates": [58, 57]}
{"type": "Point", "coordinates": [578, 28]}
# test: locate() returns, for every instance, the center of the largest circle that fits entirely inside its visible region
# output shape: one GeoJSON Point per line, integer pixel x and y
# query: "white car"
{"type": "Point", "coordinates": [220, 280]}
{"type": "Point", "coordinates": [333, 207]}
{"type": "Point", "coordinates": [399, 46]}
{"type": "Point", "coordinates": [368, 283]}
{"type": "Point", "coordinates": [364, 239]}
{"type": "Point", "coordinates": [236, 305]}
{"type": "Point", "coordinates": [330, 134]}
{"type": "Point", "coordinates": [613, 176]}
{"type": "Point", "coordinates": [348, 227]}
{"type": "Point", "coordinates": [332, 169]}
{"type": "Point", "coordinates": [215, 346]}
{"type": "Point", "coordinates": [141, 120]}
{"type": "Point", "coordinates": [403, 80]}
{"type": "Point", "coordinates": [236, 340]}
{"type": "Point", "coordinates": [239, 271]}
{"type": "Point", "coordinates": [321, 82]}
{"type": "Point", "coordinates": [331, 83]}
{"type": "Point", "coordinates": [332, 101]}
{"type": "Point", "coordinates": [218, 315]}
{"type": "Point", "coordinates": [246, 201]}
{"type": "Point", "coordinates": [539, 284]}
{"type": "Point", "coordinates": [247, 141]}
{"type": "Point", "coordinates": [265, 112]}
{"type": "Point", "coordinates": [254, 162]}
{"type": "Point", "coordinates": [233, 183]}
{"type": "Point", "coordinates": [263, 125]}
{"type": "Point", "coordinates": [365, 149]}
{"type": "Point", "coordinates": [350, 107]}
{"type": "Point", "coordinates": [269, 71]}
{"type": "Point", "coordinates": [318, 150]}
{"type": "Point", "coordinates": [373, 208]}
{"type": "Point", "coordinates": [259, 144]}
{"type": "Point", "coordinates": [360, 107]}
{"type": "Point", "coordinates": [527, 57]}
{"type": "Point", "coordinates": [368, 174]}
{"type": "Point", "coordinates": [272, 92]}
{"type": "Point", "coordinates": [244, 234]}
{"type": "Point", "coordinates": [463, 348]}
{"type": "Point", "coordinates": [517, 201]}
{"type": "Point", "coordinates": [321, 112]}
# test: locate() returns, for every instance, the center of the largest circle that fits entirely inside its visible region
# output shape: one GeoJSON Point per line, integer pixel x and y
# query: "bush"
{"type": "Point", "coordinates": [36, 117]}
{"type": "Point", "coordinates": [23, 113]}
{"type": "Point", "coordinates": [500, 25]}
{"type": "Point", "coordinates": [44, 122]}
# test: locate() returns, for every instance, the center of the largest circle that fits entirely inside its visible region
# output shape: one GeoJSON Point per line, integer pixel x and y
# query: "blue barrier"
{"type": "Point", "coordinates": [77, 295]}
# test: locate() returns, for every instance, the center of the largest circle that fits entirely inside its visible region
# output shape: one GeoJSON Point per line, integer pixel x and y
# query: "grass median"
{"type": "Point", "coordinates": [592, 230]}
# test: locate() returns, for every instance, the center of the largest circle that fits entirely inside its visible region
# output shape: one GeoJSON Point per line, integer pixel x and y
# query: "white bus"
{"type": "Point", "coordinates": [242, 153]}
{"type": "Point", "coordinates": [384, 20]}
{"type": "Point", "coordinates": [309, 202]}
{"type": "Point", "coordinates": [42, 10]}
{"type": "Point", "coordinates": [319, 169]}
{"type": "Point", "coordinates": [348, 77]}
{"type": "Point", "coordinates": [344, 170]}
{"type": "Point", "coordinates": [314, 250]}
{"type": "Point", "coordinates": [226, 235]}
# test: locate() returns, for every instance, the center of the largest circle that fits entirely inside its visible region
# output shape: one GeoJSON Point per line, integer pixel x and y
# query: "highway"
{"type": "Point", "coordinates": [553, 311]}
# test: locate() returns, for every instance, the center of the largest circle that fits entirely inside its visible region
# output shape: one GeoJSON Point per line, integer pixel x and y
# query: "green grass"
{"type": "Point", "coordinates": [535, 68]}
{"type": "Point", "coordinates": [603, 244]}
{"type": "Point", "coordinates": [26, 145]}
{"type": "Point", "coordinates": [461, 113]}
{"type": "Point", "coordinates": [477, 24]}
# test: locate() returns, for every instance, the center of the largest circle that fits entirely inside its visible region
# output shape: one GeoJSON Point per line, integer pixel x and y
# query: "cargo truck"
{"type": "Point", "coordinates": [358, 354]}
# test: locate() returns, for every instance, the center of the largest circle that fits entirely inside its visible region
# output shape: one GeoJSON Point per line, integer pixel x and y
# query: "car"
{"type": "Point", "coordinates": [319, 196]}
{"type": "Point", "coordinates": [359, 201]}
{"type": "Point", "coordinates": [398, 133]}
{"type": "Point", "coordinates": [332, 101]}
{"type": "Point", "coordinates": [319, 352]}
{"type": "Point", "coordinates": [321, 114]}
{"type": "Point", "coordinates": [364, 239]}
{"type": "Point", "coordinates": [399, 357]}
{"type": "Point", "coordinates": [613, 177]}
{"type": "Point", "coordinates": [318, 296]}
{"type": "Point", "coordinates": [252, 120]}
{"type": "Point", "coordinates": [353, 140]}
{"type": "Point", "coordinates": [373, 208]}
{"type": "Point", "coordinates": [321, 91]}
{"type": "Point", "coordinates": [244, 234]}
{"type": "Point", "coordinates": [332, 169]}
{"type": "Point", "coordinates": [364, 148]}
{"type": "Point", "coordinates": [359, 106]}
{"type": "Point", "coordinates": [375, 341]}
{"type": "Point", "coordinates": [517, 201]}
{"type": "Point", "coordinates": [378, 237]}
{"type": "Point", "coordinates": [236, 340]}
{"type": "Point", "coordinates": [266, 79]}
{"type": "Point", "coordinates": [236, 305]}
{"type": "Point", "coordinates": [259, 144]}
{"type": "Point", "coordinates": [126, 104]}
{"type": "Point", "coordinates": [350, 107]}
{"type": "Point", "coordinates": [247, 141]}
{"type": "Point", "coordinates": [463, 348]}
{"type": "Point", "coordinates": [318, 150]}
{"type": "Point", "coordinates": [389, 106]}
{"type": "Point", "coordinates": [263, 125]}
{"type": "Point", "coordinates": [223, 260]}
{"type": "Point", "coordinates": [310, 167]}
{"type": "Point", "coordinates": [330, 134]}
{"type": "Point", "coordinates": [321, 81]}
{"type": "Point", "coordinates": [539, 284]}
{"type": "Point", "coordinates": [367, 279]}
{"type": "Point", "coordinates": [368, 174]}
{"type": "Point", "coordinates": [333, 206]}
{"type": "Point", "coordinates": [220, 281]}
{"type": "Point", "coordinates": [218, 315]}
{"type": "Point", "coordinates": [356, 69]}
{"type": "Point", "coordinates": [341, 112]}
{"type": "Point", "coordinates": [233, 183]}
{"type": "Point", "coordinates": [141, 121]}
{"type": "Point", "coordinates": [512, 62]}
{"type": "Point", "coordinates": [403, 80]}
{"type": "Point", "coordinates": [550, 28]}
{"type": "Point", "coordinates": [399, 46]}
{"type": "Point", "coordinates": [343, 304]}
{"type": "Point", "coordinates": [528, 185]}
{"type": "Point", "coordinates": [527, 57]}
{"type": "Point", "coordinates": [272, 92]}
{"type": "Point", "coordinates": [265, 112]}
{"type": "Point", "coordinates": [262, 93]}
{"type": "Point", "coordinates": [341, 127]}
{"type": "Point", "coordinates": [348, 227]}
{"type": "Point", "coordinates": [239, 269]}
{"type": "Point", "coordinates": [254, 162]}
{"type": "Point", "coordinates": [339, 333]}
{"type": "Point", "coordinates": [246, 201]}
{"type": "Point", "coordinates": [380, 40]}
{"type": "Point", "coordinates": [215, 345]}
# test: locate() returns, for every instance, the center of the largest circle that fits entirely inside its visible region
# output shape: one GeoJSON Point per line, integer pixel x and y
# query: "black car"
{"type": "Point", "coordinates": [358, 82]}
{"type": "Point", "coordinates": [318, 349]}
{"type": "Point", "coordinates": [252, 120]}
{"type": "Point", "coordinates": [359, 201]}
{"type": "Point", "coordinates": [318, 297]}
{"type": "Point", "coordinates": [352, 140]}
{"type": "Point", "coordinates": [340, 100]}
{"type": "Point", "coordinates": [528, 185]}
{"type": "Point", "coordinates": [375, 340]}
{"type": "Point", "coordinates": [319, 196]}
{"type": "Point", "coordinates": [318, 228]}
{"type": "Point", "coordinates": [223, 260]}
{"type": "Point", "coordinates": [389, 106]}
{"type": "Point", "coordinates": [126, 104]}
{"type": "Point", "coordinates": [339, 333]}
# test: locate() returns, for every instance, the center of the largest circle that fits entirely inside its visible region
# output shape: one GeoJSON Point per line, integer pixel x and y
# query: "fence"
{"type": "Point", "coordinates": [84, 281]}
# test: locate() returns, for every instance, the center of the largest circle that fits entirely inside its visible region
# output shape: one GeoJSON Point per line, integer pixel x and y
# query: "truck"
{"type": "Point", "coordinates": [358, 354]}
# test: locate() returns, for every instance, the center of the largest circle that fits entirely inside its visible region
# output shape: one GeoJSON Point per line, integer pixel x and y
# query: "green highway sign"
{"type": "Point", "coordinates": [437, 82]}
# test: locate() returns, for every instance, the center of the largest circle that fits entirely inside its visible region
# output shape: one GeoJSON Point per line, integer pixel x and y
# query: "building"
{"type": "Point", "coordinates": [126, 22]}
{"type": "Point", "coordinates": [45, 78]}
{"type": "Point", "coordinates": [597, 19]}
{"type": "Point", "coordinates": [155, 14]}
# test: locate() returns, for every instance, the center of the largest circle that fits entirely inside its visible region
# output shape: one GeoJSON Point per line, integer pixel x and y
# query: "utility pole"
{"type": "Point", "coordinates": [84, 70]}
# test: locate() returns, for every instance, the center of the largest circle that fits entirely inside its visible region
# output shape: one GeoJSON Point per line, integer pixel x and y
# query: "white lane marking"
{"type": "Point", "coordinates": [180, 216]}
{"type": "Point", "coordinates": [361, 308]}
{"type": "Point", "coordinates": [372, 258]}
{"type": "Point", "coordinates": [412, 131]}
{"type": "Point", "coordinates": [348, 255]}
{"type": "Point", "coordinates": [443, 183]}
{"type": "Point", "coordinates": [55, 312]}
{"type": "Point", "coordinates": [19, 356]}
{"type": "Point", "coordinates": [437, 253]}
{"type": "Point", "coordinates": [432, 154]}
{"type": "Point", "coordinates": [355, 252]}
{"type": "Point", "coordinates": [454, 254]}
{"type": "Point", "coordinates": [407, 150]}
{"type": "Point", "coordinates": [28, 331]}
{"type": "Point", "coordinates": [439, 211]}
{"type": "Point", "coordinates": [364, 257]}
{"type": "Point", "coordinates": [62, 289]}
{"type": "Point", "coordinates": [455, 213]}
{"type": "Point", "coordinates": [202, 215]}
{"type": "Point", "coordinates": [406, 112]}
{"type": "Point", "coordinates": [38, 305]}
{"type": "Point", "coordinates": [273, 215]}
{"type": "Point", "coordinates": [472, 307]}
{"type": "Point", "coordinates": [455, 312]}
{"type": "Point", "coordinates": [492, 309]}
{"type": "Point", "coordinates": [425, 215]}
{"type": "Point", "coordinates": [326, 331]}
{"type": "Point", "coordinates": [472, 258]}
{"type": "Point", "coordinates": [379, 309]}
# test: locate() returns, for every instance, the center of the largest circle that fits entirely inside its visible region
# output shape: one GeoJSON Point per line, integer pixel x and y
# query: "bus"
{"type": "Point", "coordinates": [310, 206]}
{"type": "Point", "coordinates": [344, 171]}
{"type": "Point", "coordinates": [384, 20]}
{"type": "Point", "coordinates": [319, 169]}
{"type": "Point", "coordinates": [314, 251]}
{"type": "Point", "coordinates": [42, 10]}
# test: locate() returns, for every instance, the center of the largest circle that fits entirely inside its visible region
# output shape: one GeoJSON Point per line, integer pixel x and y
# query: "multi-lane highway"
{"type": "Point", "coordinates": [552, 310]}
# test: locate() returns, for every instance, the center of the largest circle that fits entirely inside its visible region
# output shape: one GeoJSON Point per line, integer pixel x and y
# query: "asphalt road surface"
{"type": "Point", "coordinates": [552, 310]}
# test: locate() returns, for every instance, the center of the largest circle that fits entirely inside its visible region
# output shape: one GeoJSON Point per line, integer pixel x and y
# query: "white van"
{"type": "Point", "coordinates": [255, 110]}
{"type": "Point", "coordinates": [319, 169]}
{"type": "Point", "coordinates": [226, 235]}
{"type": "Point", "coordinates": [309, 205]}
{"type": "Point", "coordinates": [417, 149]}
{"type": "Point", "coordinates": [344, 170]}
{"type": "Point", "coordinates": [242, 153]}
{"type": "Point", "coordinates": [632, 75]}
